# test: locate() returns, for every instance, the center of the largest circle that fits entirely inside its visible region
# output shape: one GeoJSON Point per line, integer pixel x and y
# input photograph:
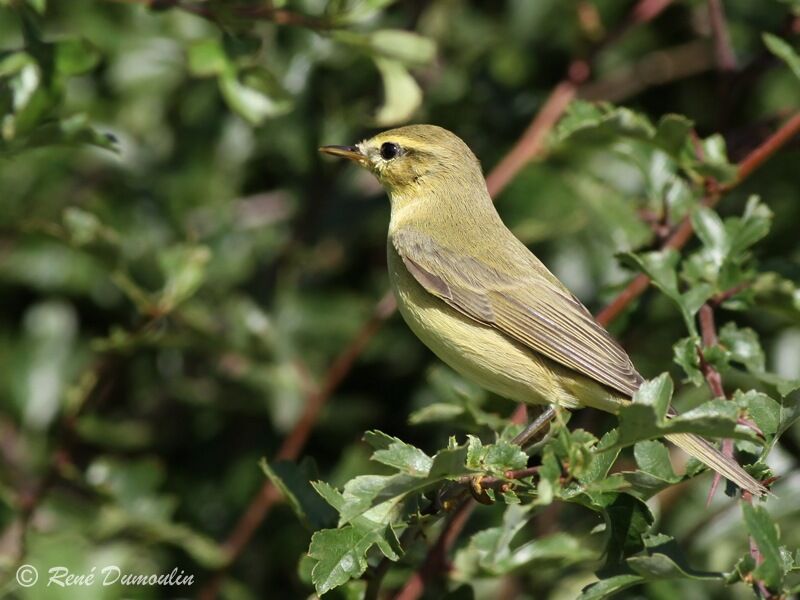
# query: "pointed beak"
{"type": "Point", "coordinates": [349, 152]}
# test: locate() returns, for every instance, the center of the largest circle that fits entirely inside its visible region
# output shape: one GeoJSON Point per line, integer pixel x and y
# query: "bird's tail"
{"type": "Point", "coordinates": [714, 459]}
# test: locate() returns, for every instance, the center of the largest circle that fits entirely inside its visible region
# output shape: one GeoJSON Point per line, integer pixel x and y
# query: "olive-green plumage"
{"type": "Point", "coordinates": [481, 301]}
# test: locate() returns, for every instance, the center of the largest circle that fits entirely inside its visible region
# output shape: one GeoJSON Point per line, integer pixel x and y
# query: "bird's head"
{"type": "Point", "coordinates": [415, 159]}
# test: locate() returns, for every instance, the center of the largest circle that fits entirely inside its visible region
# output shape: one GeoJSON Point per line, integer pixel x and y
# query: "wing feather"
{"type": "Point", "coordinates": [531, 309]}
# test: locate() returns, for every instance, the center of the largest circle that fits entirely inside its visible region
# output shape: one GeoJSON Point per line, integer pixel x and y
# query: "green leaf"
{"type": "Point", "coordinates": [491, 551]}
{"type": "Point", "coordinates": [672, 133]}
{"type": "Point", "coordinates": [255, 94]}
{"type": "Point", "coordinates": [75, 57]}
{"type": "Point", "coordinates": [652, 457]}
{"type": "Point", "coordinates": [294, 483]}
{"type": "Point", "coordinates": [744, 347]}
{"type": "Point", "coordinates": [685, 354]}
{"type": "Point", "coordinates": [655, 393]}
{"type": "Point", "coordinates": [84, 228]}
{"type": "Point", "coordinates": [661, 268]}
{"type": "Point", "coordinates": [69, 131]}
{"type": "Point", "coordinates": [436, 413]}
{"type": "Point", "coordinates": [402, 95]}
{"type": "Point", "coordinates": [752, 226]}
{"type": "Point", "coordinates": [605, 588]}
{"type": "Point", "coordinates": [711, 231]}
{"type": "Point", "coordinates": [645, 418]}
{"type": "Point", "coordinates": [494, 458]}
{"type": "Point", "coordinates": [765, 533]}
{"type": "Point", "coordinates": [396, 453]}
{"type": "Point", "coordinates": [207, 58]}
{"type": "Point", "coordinates": [664, 560]}
{"type": "Point", "coordinates": [763, 410]}
{"type": "Point", "coordinates": [602, 461]}
{"type": "Point", "coordinates": [714, 162]}
{"type": "Point", "coordinates": [627, 520]}
{"type": "Point", "coordinates": [585, 122]}
{"type": "Point", "coordinates": [405, 46]}
{"type": "Point", "coordinates": [361, 11]}
{"type": "Point", "coordinates": [399, 45]}
{"type": "Point", "coordinates": [341, 553]}
{"type": "Point", "coordinates": [184, 267]}
{"type": "Point", "coordinates": [784, 51]}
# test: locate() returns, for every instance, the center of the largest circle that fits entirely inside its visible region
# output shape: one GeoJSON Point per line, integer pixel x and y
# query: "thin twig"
{"type": "Point", "coordinates": [532, 140]}
{"type": "Point", "coordinates": [723, 51]}
{"type": "Point", "coordinates": [436, 562]}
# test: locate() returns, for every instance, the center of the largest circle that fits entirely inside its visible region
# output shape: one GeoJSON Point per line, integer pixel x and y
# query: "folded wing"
{"type": "Point", "coordinates": [531, 309]}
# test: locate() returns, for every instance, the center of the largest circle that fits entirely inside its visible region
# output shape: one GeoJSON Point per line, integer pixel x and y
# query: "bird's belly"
{"type": "Point", "coordinates": [479, 352]}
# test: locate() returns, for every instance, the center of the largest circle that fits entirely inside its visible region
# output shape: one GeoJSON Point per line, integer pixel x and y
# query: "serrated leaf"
{"type": "Point", "coordinates": [652, 457]}
{"type": "Point", "coordinates": [341, 553]}
{"type": "Point", "coordinates": [494, 458]}
{"type": "Point", "coordinates": [602, 461]}
{"type": "Point", "coordinates": [765, 533]}
{"type": "Point", "coordinates": [395, 453]}
{"type": "Point", "coordinates": [561, 548]}
{"type": "Point", "coordinates": [661, 267]}
{"type": "Point", "coordinates": [715, 419]}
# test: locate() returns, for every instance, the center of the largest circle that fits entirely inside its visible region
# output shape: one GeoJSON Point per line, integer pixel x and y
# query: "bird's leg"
{"type": "Point", "coordinates": [526, 436]}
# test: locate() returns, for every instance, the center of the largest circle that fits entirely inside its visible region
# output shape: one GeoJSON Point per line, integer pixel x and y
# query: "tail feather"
{"type": "Point", "coordinates": [714, 459]}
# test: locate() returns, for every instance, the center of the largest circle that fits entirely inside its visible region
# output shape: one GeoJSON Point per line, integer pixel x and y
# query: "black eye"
{"type": "Point", "coordinates": [389, 150]}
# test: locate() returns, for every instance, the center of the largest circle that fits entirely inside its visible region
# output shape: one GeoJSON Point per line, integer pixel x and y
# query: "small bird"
{"type": "Point", "coordinates": [479, 298]}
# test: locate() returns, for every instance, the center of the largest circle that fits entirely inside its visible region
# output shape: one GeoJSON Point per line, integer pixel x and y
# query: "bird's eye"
{"type": "Point", "coordinates": [389, 150]}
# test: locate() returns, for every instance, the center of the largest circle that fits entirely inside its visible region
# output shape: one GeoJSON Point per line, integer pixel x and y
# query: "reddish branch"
{"type": "Point", "coordinates": [532, 140]}
{"type": "Point", "coordinates": [436, 563]}
{"type": "Point", "coordinates": [708, 333]}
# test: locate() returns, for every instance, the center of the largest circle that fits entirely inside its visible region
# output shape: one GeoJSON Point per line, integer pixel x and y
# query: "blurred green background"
{"type": "Point", "coordinates": [179, 267]}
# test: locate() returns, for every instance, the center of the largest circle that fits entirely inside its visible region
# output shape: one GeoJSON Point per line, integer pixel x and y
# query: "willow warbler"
{"type": "Point", "coordinates": [481, 301]}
